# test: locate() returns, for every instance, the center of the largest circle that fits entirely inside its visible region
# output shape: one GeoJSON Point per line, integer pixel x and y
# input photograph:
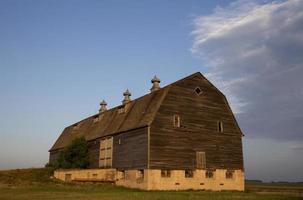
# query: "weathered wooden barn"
{"type": "Point", "coordinates": [181, 136]}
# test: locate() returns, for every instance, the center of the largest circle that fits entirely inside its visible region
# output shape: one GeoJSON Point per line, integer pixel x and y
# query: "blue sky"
{"type": "Point", "coordinates": [59, 59]}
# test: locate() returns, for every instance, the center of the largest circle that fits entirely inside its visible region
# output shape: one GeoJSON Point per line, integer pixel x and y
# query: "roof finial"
{"type": "Point", "coordinates": [156, 84]}
{"type": "Point", "coordinates": [126, 95]}
{"type": "Point", "coordinates": [103, 105]}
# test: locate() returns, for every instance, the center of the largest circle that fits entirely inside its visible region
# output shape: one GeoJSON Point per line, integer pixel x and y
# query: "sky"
{"type": "Point", "coordinates": [59, 59]}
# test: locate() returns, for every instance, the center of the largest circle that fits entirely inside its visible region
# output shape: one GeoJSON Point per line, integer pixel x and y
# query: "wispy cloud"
{"type": "Point", "coordinates": [297, 147]}
{"type": "Point", "coordinates": [254, 52]}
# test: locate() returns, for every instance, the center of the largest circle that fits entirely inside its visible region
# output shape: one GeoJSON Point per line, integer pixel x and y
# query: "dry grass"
{"type": "Point", "coordinates": [35, 184]}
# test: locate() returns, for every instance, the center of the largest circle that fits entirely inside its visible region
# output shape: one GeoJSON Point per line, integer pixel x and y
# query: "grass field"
{"type": "Point", "coordinates": [35, 184]}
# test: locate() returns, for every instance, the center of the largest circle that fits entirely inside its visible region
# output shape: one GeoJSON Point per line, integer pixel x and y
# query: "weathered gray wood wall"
{"type": "Point", "coordinates": [93, 153]}
{"type": "Point", "coordinates": [175, 148]}
{"type": "Point", "coordinates": [132, 150]}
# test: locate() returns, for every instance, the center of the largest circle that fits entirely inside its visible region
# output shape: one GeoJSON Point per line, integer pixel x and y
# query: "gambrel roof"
{"type": "Point", "coordinates": [139, 113]}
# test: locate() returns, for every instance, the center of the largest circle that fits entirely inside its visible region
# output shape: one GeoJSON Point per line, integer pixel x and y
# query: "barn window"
{"type": "Point", "coordinates": [121, 109]}
{"type": "Point", "coordinates": [119, 141]}
{"type": "Point", "coordinates": [165, 173]}
{"type": "Point", "coordinates": [198, 91]}
{"type": "Point", "coordinates": [189, 173]}
{"type": "Point", "coordinates": [220, 127]}
{"type": "Point", "coordinates": [229, 174]}
{"type": "Point", "coordinates": [95, 176]}
{"type": "Point", "coordinates": [140, 175]}
{"type": "Point", "coordinates": [96, 119]}
{"type": "Point", "coordinates": [177, 121]}
{"type": "Point", "coordinates": [209, 174]}
{"type": "Point", "coordinates": [122, 174]}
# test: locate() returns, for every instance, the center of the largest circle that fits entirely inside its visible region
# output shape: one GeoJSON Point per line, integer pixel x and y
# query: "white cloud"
{"type": "Point", "coordinates": [254, 52]}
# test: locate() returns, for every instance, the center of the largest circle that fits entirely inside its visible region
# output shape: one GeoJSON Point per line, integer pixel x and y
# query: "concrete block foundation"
{"type": "Point", "coordinates": [153, 179]}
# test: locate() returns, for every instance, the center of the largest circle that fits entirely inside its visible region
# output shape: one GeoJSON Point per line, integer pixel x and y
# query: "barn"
{"type": "Point", "coordinates": [181, 136]}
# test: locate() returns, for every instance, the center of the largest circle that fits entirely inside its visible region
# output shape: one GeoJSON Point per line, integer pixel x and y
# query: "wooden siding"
{"type": "Point", "coordinates": [53, 156]}
{"type": "Point", "coordinates": [176, 147]}
{"type": "Point", "coordinates": [132, 152]}
{"type": "Point", "coordinates": [93, 153]}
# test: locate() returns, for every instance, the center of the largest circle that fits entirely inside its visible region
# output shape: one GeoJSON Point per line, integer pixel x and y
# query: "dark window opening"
{"type": "Point", "coordinates": [220, 127]}
{"type": "Point", "coordinates": [209, 174]}
{"type": "Point", "coordinates": [198, 91]}
{"type": "Point", "coordinates": [165, 173]}
{"type": "Point", "coordinates": [229, 174]}
{"type": "Point", "coordinates": [140, 175]}
{"type": "Point", "coordinates": [189, 174]}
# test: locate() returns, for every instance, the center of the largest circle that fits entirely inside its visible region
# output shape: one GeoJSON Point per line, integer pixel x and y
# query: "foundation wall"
{"type": "Point", "coordinates": [133, 179]}
{"type": "Point", "coordinates": [178, 181]}
{"type": "Point", "coordinates": [151, 179]}
{"type": "Point", "coordinates": [86, 175]}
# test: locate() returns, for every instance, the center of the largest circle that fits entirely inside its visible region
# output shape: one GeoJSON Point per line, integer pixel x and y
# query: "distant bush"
{"type": "Point", "coordinates": [75, 155]}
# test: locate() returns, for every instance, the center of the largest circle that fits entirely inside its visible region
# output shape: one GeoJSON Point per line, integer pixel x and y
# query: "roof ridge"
{"type": "Point", "coordinates": [138, 98]}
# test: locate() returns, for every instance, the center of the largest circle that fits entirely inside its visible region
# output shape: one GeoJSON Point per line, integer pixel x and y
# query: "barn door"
{"type": "Point", "coordinates": [200, 160]}
{"type": "Point", "coordinates": [106, 152]}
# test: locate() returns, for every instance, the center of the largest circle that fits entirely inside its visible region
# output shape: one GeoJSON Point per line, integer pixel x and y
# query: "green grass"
{"type": "Point", "coordinates": [35, 184]}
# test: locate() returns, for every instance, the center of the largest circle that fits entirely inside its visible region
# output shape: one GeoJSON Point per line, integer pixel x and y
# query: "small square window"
{"type": "Point", "coordinates": [209, 174]}
{"type": "Point", "coordinates": [198, 91]}
{"type": "Point", "coordinates": [165, 173]}
{"type": "Point", "coordinates": [229, 174]}
{"type": "Point", "coordinates": [189, 174]}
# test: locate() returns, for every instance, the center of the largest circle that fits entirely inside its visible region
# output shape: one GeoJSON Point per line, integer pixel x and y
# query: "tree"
{"type": "Point", "coordinates": [75, 155]}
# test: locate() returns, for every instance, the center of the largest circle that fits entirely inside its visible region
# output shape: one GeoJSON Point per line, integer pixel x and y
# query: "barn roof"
{"type": "Point", "coordinates": [139, 113]}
